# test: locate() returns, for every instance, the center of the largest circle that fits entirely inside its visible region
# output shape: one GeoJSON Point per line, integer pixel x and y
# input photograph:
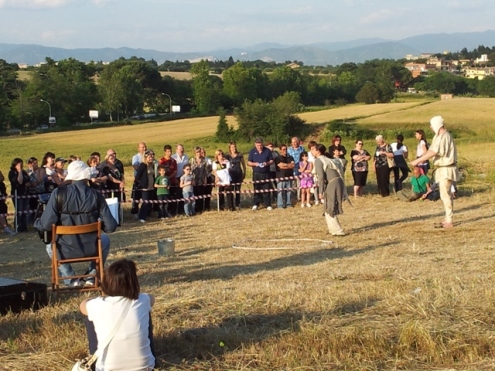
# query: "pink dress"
{"type": "Point", "coordinates": [306, 178]}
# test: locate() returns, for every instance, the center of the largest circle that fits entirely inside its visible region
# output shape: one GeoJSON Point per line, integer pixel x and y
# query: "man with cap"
{"type": "Point", "coordinates": [444, 154]}
{"type": "Point", "coordinates": [79, 204]}
{"type": "Point", "coordinates": [260, 158]}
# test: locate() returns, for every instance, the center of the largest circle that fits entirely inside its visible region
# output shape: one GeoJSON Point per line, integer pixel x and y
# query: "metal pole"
{"type": "Point", "coordinates": [49, 108]}
{"type": "Point", "coordinates": [170, 103]}
{"type": "Point", "coordinates": [16, 205]}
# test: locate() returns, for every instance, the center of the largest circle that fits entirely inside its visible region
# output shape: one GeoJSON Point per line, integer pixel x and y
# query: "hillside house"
{"type": "Point", "coordinates": [418, 69]}
{"type": "Point", "coordinates": [478, 72]}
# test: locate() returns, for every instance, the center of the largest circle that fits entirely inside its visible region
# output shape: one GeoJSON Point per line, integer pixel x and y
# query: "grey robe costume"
{"type": "Point", "coordinates": [332, 186]}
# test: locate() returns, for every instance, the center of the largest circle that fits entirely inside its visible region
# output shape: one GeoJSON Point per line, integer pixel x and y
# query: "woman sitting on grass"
{"type": "Point", "coordinates": [131, 348]}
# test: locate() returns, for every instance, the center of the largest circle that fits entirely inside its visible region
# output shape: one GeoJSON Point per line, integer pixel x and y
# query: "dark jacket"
{"type": "Point", "coordinates": [82, 205]}
{"type": "Point", "coordinates": [142, 176]}
{"type": "Point", "coordinates": [15, 185]}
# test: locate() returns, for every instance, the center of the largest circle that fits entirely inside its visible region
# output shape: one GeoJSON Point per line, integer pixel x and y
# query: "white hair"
{"type": "Point", "coordinates": [379, 137]}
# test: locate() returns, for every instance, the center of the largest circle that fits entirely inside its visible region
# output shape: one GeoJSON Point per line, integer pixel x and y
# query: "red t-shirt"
{"type": "Point", "coordinates": [170, 168]}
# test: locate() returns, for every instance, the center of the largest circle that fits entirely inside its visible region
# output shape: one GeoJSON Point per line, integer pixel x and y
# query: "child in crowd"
{"type": "Point", "coordinates": [305, 169]}
{"type": "Point", "coordinates": [186, 184]}
{"type": "Point", "coordinates": [162, 186]}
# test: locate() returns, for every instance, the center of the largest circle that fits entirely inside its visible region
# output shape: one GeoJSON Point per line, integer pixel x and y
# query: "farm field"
{"type": "Point", "coordinates": [395, 293]}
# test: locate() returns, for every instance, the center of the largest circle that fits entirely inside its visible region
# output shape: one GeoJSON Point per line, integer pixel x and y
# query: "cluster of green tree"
{"type": "Point", "coordinates": [218, 67]}
{"type": "Point", "coordinates": [128, 87]}
{"type": "Point", "coordinates": [471, 54]}
{"type": "Point", "coordinates": [71, 88]}
{"type": "Point", "coordinates": [448, 83]}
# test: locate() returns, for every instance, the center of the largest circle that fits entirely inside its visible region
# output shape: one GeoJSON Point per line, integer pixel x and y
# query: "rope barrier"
{"type": "Point", "coordinates": [175, 200]}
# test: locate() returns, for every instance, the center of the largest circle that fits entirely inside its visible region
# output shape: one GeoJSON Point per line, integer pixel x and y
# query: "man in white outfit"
{"type": "Point", "coordinates": [444, 154]}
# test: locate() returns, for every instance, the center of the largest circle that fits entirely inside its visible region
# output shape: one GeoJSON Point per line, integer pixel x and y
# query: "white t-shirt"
{"type": "Point", "coordinates": [419, 150]}
{"type": "Point", "coordinates": [400, 151]}
{"type": "Point", "coordinates": [181, 161]}
{"type": "Point", "coordinates": [223, 175]}
{"type": "Point", "coordinates": [130, 347]}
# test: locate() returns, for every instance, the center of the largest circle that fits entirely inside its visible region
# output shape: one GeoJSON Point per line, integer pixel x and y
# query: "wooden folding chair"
{"type": "Point", "coordinates": [97, 258]}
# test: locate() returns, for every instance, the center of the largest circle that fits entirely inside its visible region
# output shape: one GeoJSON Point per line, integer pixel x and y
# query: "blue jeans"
{"type": "Point", "coordinates": [66, 270]}
{"type": "Point", "coordinates": [283, 193]}
{"type": "Point", "coordinates": [163, 210]}
{"type": "Point", "coordinates": [189, 205]}
{"type": "Point", "coordinates": [22, 208]}
{"type": "Point", "coordinates": [146, 207]}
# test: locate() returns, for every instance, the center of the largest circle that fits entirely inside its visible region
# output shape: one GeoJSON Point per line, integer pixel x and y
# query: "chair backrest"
{"type": "Point", "coordinates": [76, 229]}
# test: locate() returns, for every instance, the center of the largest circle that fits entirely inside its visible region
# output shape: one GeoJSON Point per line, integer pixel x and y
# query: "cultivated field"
{"type": "Point", "coordinates": [395, 293]}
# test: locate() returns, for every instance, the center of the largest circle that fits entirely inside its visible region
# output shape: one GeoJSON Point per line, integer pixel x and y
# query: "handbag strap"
{"type": "Point", "coordinates": [110, 336]}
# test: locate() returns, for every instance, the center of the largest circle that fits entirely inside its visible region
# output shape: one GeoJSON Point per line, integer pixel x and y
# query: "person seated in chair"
{"type": "Point", "coordinates": [75, 203]}
{"type": "Point", "coordinates": [420, 188]}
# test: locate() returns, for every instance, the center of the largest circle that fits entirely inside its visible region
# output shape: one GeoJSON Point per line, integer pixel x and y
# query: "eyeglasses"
{"type": "Point", "coordinates": [360, 144]}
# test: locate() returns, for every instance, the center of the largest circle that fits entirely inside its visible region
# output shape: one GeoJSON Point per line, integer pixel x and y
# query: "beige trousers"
{"type": "Point", "coordinates": [333, 225]}
{"type": "Point", "coordinates": [446, 197]}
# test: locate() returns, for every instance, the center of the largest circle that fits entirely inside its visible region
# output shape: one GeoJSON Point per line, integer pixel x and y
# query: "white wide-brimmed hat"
{"type": "Point", "coordinates": [77, 170]}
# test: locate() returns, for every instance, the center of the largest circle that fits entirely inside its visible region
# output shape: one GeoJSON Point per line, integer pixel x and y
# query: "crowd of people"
{"type": "Point", "coordinates": [176, 184]}
{"type": "Point", "coordinates": [314, 175]}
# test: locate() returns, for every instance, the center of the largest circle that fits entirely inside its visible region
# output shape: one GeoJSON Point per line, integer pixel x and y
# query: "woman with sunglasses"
{"type": "Point", "coordinates": [359, 167]}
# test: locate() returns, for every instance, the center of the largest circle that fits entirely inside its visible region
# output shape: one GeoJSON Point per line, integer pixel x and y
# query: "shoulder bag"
{"type": "Point", "coordinates": [391, 162]}
{"type": "Point", "coordinates": [86, 363]}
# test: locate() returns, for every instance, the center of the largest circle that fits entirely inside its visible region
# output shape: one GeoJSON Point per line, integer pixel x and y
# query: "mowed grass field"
{"type": "Point", "coordinates": [395, 293]}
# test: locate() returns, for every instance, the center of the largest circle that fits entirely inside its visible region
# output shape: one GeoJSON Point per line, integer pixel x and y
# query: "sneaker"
{"type": "Point", "coordinates": [7, 230]}
{"type": "Point", "coordinates": [269, 208]}
{"type": "Point", "coordinates": [89, 282]}
{"type": "Point", "coordinates": [76, 282]}
{"type": "Point", "coordinates": [302, 205]}
{"type": "Point", "coordinates": [316, 203]}
{"type": "Point", "coordinates": [141, 221]}
{"type": "Point", "coordinates": [255, 207]}
{"type": "Point", "coordinates": [308, 205]}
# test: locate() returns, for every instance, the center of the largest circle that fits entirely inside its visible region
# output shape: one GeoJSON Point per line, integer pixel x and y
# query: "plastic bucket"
{"type": "Point", "coordinates": [166, 247]}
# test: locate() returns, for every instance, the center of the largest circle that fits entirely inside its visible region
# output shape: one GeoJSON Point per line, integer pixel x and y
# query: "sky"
{"type": "Point", "coordinates": [205, 25]}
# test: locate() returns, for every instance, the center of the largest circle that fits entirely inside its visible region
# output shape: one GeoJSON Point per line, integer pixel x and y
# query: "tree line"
{"type": "Point", "coordinates": [128, 87]}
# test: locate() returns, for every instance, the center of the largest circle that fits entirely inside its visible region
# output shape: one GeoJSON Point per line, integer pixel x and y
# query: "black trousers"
{"type": "Point", "coordinates": [265, 196]}
{"type": "Point", "coordinates": [222, 197]}
{"type": "Point", "coordinates": [383, 180]}
{"type": "Point", "coordinates": [399, 179]}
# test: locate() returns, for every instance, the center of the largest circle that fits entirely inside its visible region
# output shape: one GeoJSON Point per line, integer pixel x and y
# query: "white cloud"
{"type": "Point", "coordinates": [55, 36]}
{"type": "Point", "coordinates": [466, 5]}
{"type": "Point", "coordinates": [101, 2]}
{"type": "Point", "coordinates": [378, 17]}
{"type": "Point", "coordinates": [33, 3]}
{"type": "Point", "coordinates": [298, 11]}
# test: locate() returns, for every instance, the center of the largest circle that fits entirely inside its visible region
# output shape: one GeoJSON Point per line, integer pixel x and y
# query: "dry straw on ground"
{"type": "Point", "coordinates": [396, 293]}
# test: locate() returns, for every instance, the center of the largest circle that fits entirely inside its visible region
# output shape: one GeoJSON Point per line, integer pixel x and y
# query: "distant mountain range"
{"type": "Point", "coordinates": [321, 54]}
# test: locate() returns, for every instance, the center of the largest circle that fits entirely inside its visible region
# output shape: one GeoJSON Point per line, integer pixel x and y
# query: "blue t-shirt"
{"type": "Point", "coordinates": [264, 156]}
{"type": "Point", "coordinates": [296, 154]}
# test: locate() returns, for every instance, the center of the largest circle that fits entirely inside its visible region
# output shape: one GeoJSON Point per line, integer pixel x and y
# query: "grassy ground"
{"type": "Point", "coordinates": [396, 293]}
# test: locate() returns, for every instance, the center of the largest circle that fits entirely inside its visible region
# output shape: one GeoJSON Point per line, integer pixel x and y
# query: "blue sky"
{"type": "Point", "coordinates": [202, 25]}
